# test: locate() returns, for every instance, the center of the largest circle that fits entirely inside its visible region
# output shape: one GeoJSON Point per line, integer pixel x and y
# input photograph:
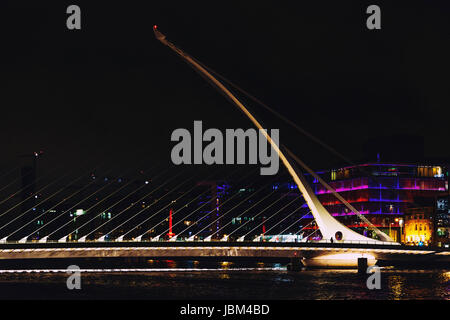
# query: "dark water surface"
{"type": "Point", "coordinates": [172, 280]}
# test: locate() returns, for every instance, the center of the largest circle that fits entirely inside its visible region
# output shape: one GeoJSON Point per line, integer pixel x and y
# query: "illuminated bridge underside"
{"type": "Point", "coordinates": [336, 255]}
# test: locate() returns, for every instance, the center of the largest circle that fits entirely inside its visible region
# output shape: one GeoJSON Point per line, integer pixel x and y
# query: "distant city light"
{"type": "Point", "coordinates": [79, 212]}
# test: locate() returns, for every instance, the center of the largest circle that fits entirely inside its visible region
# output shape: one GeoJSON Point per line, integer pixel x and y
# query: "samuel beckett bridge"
{"type": "Point", "coordinates": [156, 217]}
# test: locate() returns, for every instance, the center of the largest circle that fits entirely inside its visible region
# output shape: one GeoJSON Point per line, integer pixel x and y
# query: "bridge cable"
{"type": "Point", "coordinates": [248, 173]}
{"type": "Point", "coordinates": [86, 198]}
{"type": "Point", "coordinates": [122, 236]}
{"type": "Point", "coordinates": [248, 209]}
{"type": "Point", "coordinates": [222, 215]}
{"type": "Point", "coordinates": [137, 201]}
{"type": "Point", "coordinates": [43, 201]}
{"type": "Point", "coordinates": [32, 195]}
{"type": "Point", "coordinates": [281, 233]}
{"type": "Point", "coordinates": [52, 207]}
{"type": "Point", "coordinates": [273, 215]}
{"type": "Point", "coordinates": [230, 210]}
{"type": "Point", "coordinates": [81, 201]}
{"type": "Point", "coordinates": [64, 200]}
{"type": "Point", "coordinates": [112, 206]}
{"type": "Point", "coordinates": [276, 201]}
{"type": "Point", "coordinates": [215, 209]}
{"type": "Point", "coordinates": [190, 214]}
{"type": "Point", "coordinates": [158, 211]}
{"type": "Point", "coordinates": [292, 224]}
{"type": "Point", "coordinates": [242, 238]}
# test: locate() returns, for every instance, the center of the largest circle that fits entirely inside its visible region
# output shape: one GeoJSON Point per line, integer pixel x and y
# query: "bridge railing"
{"type": "Point", "coordinates": [201, 240]}
{"type": "Point", "coordinates": [357, 242]}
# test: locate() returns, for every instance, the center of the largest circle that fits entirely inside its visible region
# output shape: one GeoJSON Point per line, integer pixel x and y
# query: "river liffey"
{"type": "Point", "coordinates": [225, 280]}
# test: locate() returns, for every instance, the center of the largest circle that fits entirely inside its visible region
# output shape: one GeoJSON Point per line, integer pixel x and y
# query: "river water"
{"type": "Point", "coordinates": [222, 280]}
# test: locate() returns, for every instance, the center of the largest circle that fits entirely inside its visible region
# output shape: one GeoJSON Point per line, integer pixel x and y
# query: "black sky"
{"type": "Point", "coordinates": [111, 90]}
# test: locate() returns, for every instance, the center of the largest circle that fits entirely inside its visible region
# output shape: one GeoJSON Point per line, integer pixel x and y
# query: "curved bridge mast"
{"type": "Point", "coordinates": [328, 225]}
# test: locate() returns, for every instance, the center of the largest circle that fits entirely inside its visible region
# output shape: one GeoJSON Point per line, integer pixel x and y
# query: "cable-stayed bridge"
{"type": "Point", "coordinates": [318, 254]}
{"type": "Point", "coordinates": [182, 218]}
{"type": "Point", "coordinates": [160, 216]}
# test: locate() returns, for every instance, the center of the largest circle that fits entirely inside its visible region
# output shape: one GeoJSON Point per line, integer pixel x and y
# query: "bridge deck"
{"type": "Point", "coordinates": [211, 249]}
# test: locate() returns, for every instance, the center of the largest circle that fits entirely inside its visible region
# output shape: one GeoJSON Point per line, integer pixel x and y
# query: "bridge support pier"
{"type": "Point", "coordinates": [362, 265]}
{"type": "Point", "coordinates": [295, 264]}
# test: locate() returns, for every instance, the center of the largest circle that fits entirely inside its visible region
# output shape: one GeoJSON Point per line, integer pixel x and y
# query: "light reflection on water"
{"type": "Point", "coordinates": [225, 280]}
{"type": "Point", "coordinates": [396, 284]}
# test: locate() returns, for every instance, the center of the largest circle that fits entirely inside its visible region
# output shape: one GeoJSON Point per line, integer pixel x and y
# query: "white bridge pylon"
{"type": "Point", "coordinates": [328, 225]}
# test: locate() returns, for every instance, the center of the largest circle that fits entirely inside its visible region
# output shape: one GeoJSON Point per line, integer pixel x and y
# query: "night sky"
{"type": "Point", "coordinates": [112, 91]}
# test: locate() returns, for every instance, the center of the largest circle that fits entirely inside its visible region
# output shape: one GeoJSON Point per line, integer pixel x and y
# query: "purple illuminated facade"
{"type": "Point", "coordinates": [380, 191]}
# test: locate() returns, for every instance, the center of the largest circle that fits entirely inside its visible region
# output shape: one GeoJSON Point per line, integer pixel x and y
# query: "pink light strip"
{"type": "Point", "coordinates": [378, 188]}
